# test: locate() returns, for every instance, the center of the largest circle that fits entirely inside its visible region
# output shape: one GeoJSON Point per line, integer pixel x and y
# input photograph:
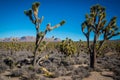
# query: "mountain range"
{"type": "Point", "coordinates": [28, 39]}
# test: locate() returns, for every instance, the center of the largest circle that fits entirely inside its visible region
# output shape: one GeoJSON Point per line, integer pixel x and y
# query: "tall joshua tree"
{"type": "Point", "coordinates": [95, 23]}
{"type": "Point", "coordinates": [33, 16]}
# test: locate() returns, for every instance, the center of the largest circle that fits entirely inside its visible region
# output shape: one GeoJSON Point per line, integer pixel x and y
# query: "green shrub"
{"type": "Point", "coordinates": [68, 47]}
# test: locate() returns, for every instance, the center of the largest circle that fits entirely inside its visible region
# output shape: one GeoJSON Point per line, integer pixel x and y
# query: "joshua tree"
{"type": "Point", "coordinates": [13, 46]}
{"type": "Point", "coordinates": [67, 47]}
{"type": "Point", "coordinates": [95, 23]}
{"type": "Point", "coordinates": [33, 16]}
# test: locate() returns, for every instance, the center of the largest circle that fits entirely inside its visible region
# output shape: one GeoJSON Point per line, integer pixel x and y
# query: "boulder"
{"type": "Point", "coordinates": [108, 74]}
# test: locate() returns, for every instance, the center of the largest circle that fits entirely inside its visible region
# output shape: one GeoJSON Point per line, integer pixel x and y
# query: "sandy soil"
{"type": "Point", "coordinates": [97, 76]}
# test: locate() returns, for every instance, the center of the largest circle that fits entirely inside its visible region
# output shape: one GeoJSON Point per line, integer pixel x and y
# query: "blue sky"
{"type": "Point", "coordinates": [13, 22]}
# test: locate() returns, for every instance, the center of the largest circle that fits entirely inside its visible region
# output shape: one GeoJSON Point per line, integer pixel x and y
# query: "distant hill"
{"type": "Point", "coordinates": [28, 39]}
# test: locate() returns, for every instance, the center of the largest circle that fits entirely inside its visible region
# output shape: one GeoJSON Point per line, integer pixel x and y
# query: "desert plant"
{"type": "Point", "coordinates": [33, 16]}
{"type": "Point", "coordinates": [67, 47]}
{"type": "Point", "coordinates": [3, 67]}
{"type": "Point", "coordinates": [13, 47]}
{"type": "Point", "coordinates": [16, 73]}
{"type": "Point", "coordinates": [29, 76]}
{"type": "Point", "coordinates": [81, 47]}
{"type": "Point", "coordinates": [95, 24]}
{"type": "Point", "coordinates": [9, 61]}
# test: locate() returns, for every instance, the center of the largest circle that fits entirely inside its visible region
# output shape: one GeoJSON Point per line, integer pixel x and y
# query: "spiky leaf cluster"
{"type": "Point", "coordinates": [67, 47]}
{"type": "Point", "coordinates": [13, 47]}
{"type": "Point", "coordinates": [111, 29]}
{"type": "Point", "coordinates": [34, 11]}
{"type": "Point", "coordinates": [42, 46]}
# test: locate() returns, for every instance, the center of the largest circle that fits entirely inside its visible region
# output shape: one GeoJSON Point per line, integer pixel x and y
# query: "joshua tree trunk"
{"type": "Point", "coordinates": [93, 53]}
{"type": "Point", "coordinates": [93, 60]}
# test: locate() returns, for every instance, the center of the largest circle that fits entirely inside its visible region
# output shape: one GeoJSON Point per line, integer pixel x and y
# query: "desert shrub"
{"type": "Point", "coordinates": [81, 47]}
{"type": "Point", "coordinates": [109, 46]}
{"type": "Point", "coordinates": [3, 67]}
{"type": "Point", "coordinates": [111, 63]}
{"type": "Point", "coordinates": [62, 71]}
{"type": "Point", "coordinates": [52, 46]}
{"type": "Point", "coordinates": [29, 76]}
{"type": "Point", "coordinates": [16, 73]}
{"type": "Point", "coordinates": [67, 47]}
{"type": "Point", "coordinates": [56, 60]}
{"type": "Point", "coordinates": [76, 77]}
{"type": "Point", "coordinates": [69, 68]}
{"type": "Point", "coordinates": [56, 74]}
{"type": "Point", "coordinates": [42, 78]}
{"type": "Point", "coordinates": [118, 47]}
{"type": "Point", "coordinates": [52, 68]}
{"type": "Point", "coordinates": [39, 71]}
{"type": "Point", "coordinates": [116, 69]}
{"type": "Point", "coordinates": [31, 68]}
{"type": "Point", "coordinates": [9, 61]}
{"type": "Point", "coordinates": [80, 73]}
{"type": "Point", "coordinates": [66, 63]}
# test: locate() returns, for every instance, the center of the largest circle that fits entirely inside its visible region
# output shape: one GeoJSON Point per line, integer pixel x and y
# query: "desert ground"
{"type": "Point", "coordinates": [16, 64]}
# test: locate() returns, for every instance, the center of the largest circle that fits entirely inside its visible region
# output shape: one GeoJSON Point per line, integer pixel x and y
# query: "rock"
{"type": "Point", "coordinates": [99, 61]}
{"type": "Point", "coordinates": [108, 74]}
{"type": "Point", "coordinates": [109, 53]}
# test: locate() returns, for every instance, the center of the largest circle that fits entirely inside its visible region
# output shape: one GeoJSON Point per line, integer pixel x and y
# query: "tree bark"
{"type": "Point", "coordinates": [93, 53]}
{"type": "Point", "coordinates": [93, 59]}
